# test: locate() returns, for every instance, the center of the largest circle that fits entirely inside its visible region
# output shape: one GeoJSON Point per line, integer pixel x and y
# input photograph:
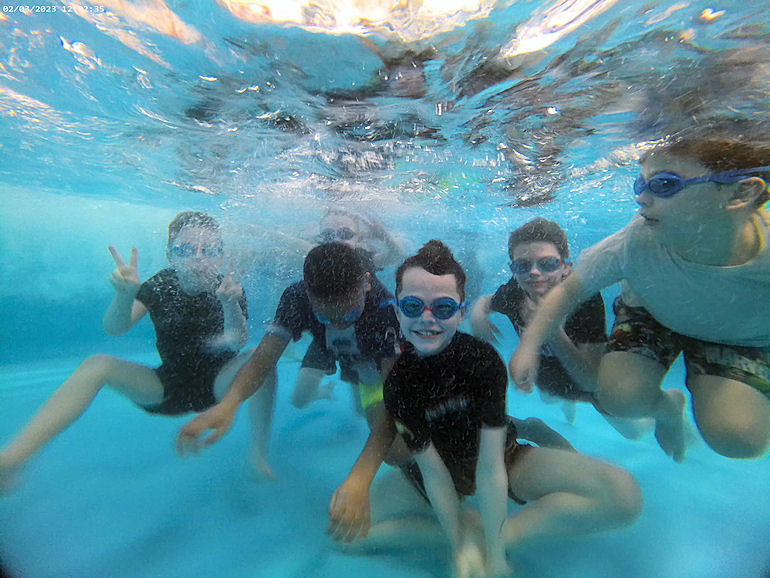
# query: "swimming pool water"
{"type": "Point", "coordinates": [113, 119]}
{"type": "Point", "coordinates": [110, 497]}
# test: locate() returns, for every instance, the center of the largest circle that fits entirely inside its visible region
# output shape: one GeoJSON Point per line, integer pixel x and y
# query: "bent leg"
{"type": "Point", "coordinates": [733, 418]}
{"type": "Point", "coordinates": [308, 388]}
{"type": "Point", "coordinates": [138, 383]}
{"type": "Point", "coordinates": [568, 494]}
{"type": "Point", "coordinates": [536, 431]}
{"type": "Point", "coordinates": [630, 387]}
{"type": "Point", "coordinates": [400, 517]}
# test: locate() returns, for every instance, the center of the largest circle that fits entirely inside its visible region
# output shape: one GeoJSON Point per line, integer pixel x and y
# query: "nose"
{"type": "Point", "coordinates": [643, 199]}
{"type": "Point", "coordinates": [427, 314]}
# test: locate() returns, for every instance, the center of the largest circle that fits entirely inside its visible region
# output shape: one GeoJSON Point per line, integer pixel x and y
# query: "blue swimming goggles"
{"type": "Point", "coordinates": [544, 265]}
{"type": "Point", "coordinates": [442, 308]}
{"type": "Point", "coordinates": [667, 184]}
{"type": "Point", "coordinates": [187, 250]}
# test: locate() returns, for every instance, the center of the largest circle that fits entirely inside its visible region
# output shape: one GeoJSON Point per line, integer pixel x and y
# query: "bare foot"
{"type": "Point", "coordinates": [326, 391]}
{"type": "Point", "coordinates": [669, 430]}
{"type": "Point", "coordinates": [569, 409]}
{"type": "Point", "coordinates": [261, 470]}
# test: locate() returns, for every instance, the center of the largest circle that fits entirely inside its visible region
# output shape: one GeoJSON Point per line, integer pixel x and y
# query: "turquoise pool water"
{"type": "Point", "coordinates": [113, 118]}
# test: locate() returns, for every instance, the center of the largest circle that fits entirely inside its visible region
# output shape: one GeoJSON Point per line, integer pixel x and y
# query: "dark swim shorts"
{"type": "Point", "coordinates": [184, 391]}
{"type": "Point", "coordinates": [636, 331]}
{"type": "Point", "coordinates": [513, 450]}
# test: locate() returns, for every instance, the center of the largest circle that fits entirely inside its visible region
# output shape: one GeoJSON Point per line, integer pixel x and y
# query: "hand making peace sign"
{"type": "Point", "coordinates": [125, 278]}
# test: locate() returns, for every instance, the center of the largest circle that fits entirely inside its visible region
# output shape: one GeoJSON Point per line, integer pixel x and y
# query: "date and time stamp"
{"type": "Point", "coordinates": [51, 8]}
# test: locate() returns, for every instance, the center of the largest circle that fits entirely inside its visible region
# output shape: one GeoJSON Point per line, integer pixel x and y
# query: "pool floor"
{"type": "Point", "coordinates": [109, 497]}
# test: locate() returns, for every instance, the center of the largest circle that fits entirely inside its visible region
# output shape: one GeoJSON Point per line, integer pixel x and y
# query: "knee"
{"type": "Point", "coordinates": [622, 496]}
{"type": "Point", "coordinates": [99, 364]}
{"type": "Point", "coordinates": [736, 439]}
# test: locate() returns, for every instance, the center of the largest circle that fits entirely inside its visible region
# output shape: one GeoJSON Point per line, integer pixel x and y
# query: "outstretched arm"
{"type": "Point", "coordinates": [394, 247]}
{"type": "Point", "coordinates": [247, 381]}
{"type": "Point", "coordinates": [349, 506]}
{"type": "Point", "coordinates": [555, 307]}
{"type": "Point", "coordinates": [124, 311]}
{"type": "Point", "coordinates": [580, 360]}
{"type": "Point", "coordinates": [482, 327]}
{"type": "Point", "coordinates": [491, 489]}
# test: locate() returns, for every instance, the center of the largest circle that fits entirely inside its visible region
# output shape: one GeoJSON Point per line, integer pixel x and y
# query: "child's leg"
{"type": "Point", "coordinates": [308, 388]}
{"type": "Point", "coordinates": [400, 517]}
{"type": "Point", "coordinates": [317, 362]}
{"type": "Point", "coordinates": [568, 494]}
{"type": "Point", "coordinates": [260, 407]}
{"type": "Point", "coordinates": [733, 418]}
{"type": "Point", "coordinates": [138, 383]}
{"type": "Point", "coordinates": [535, 430]}
{"type": "Point", "coordinates": [629, 387]}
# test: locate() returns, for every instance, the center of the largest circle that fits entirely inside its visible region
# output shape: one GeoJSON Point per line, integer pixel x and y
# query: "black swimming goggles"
{"type": "Point", "coordinates": [332, 235]}
{"type": "Point", "coordinates": [544, 265]}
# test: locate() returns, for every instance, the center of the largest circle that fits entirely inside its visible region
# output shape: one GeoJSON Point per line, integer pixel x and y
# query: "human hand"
{"type": "Point", "coordinates": [375, 229]}
{"type": "Point", "coordinates": [125, 278]}
{"type": "Point", "coordinates": [229, 291]}
{"type": "Point", "coordinates": [349, 512]}
{"type": "Point", "coordinates": [483, 328]}
{"type": "Point", "coordinates": [217, 418]}
{"type": "Point", "coordinates": [523, 367]}
{"type": "Point", "coordinates": [469, 560]}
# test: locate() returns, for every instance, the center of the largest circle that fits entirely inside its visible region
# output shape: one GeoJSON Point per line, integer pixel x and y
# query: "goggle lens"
{"type": "Point", "coordinates": [544, 265]}
{"type": "Point", "coordinates": [442, 308]}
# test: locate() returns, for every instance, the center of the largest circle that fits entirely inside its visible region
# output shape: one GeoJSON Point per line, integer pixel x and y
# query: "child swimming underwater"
{"type": "Point", "coordinates": [445, 397]}
{"type": "Point", "coordinates": [199, 317]}
{"type": "Point", "coordinates": [693, 265]}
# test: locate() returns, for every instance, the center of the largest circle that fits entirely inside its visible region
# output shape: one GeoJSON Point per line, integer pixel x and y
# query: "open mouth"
{"type": "Point", "coordinates": [426, 333]}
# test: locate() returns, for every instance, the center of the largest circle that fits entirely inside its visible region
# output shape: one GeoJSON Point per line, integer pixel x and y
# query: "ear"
{"type": "Point", "coordinates": [567, 269]}
{"type": "Point", "coordinates": [367, 282]}
{"type": "Point", "coordinates": [745, 193]}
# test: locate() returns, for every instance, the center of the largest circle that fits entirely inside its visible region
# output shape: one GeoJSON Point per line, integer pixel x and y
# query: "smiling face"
{"type": "Point", "coordinates": [196, 256]}
{"type": "Point", "coordinates": [428, 334]}
{"type": "Point", "coordinates": [536, 283]}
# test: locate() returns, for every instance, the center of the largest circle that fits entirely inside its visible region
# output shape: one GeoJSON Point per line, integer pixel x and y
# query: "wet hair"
{"type": "Point", "coordinates": [539, 230]}
{"type": "Point", "coordinates": [333, 270]}
{"type": "Point", "coordinates": [190, 219]}
{"type": "Point", "coordinates": [436, 259]}
{"type": "Point", "coordinates": [721, 154]}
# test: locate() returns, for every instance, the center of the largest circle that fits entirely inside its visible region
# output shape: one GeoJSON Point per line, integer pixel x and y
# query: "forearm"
{"type": "Point", "coordinates": [118, 317]}
{"type": "Point", "coordinates": [555, 307]}
{"type": "Point", "coordinates": [251, 375]}
{"type": "Point", "coordinates": [377, 445]}
{"type": "Point", "coordinates": [441, 493]}
{"type": "Point", "coordinates": [235, 333]}
{"type": "Point", "coordinates": [581, 362]}
{"type": "Point", "coordinates": [491, 489]}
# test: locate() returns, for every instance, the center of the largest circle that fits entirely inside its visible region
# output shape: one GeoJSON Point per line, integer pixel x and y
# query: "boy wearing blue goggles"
{"type": "Point", "coordinates": [694, 271]}
{"type": "Point", "coordinates": [442, 308]}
